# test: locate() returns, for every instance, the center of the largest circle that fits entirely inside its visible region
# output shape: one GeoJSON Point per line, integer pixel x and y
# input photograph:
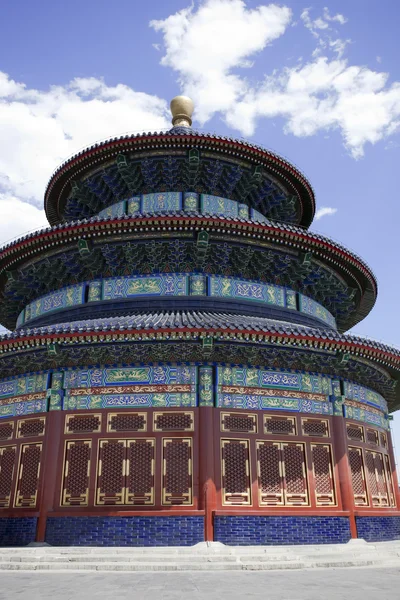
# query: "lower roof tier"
{"type": "Point", "coordinates": [203, 337]}
{"type": "Point", "coordinates": [268, 252]}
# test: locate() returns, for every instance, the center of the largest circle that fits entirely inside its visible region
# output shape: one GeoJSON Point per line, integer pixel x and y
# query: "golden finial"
{"type": "Point", "coordinates": [182, 110]}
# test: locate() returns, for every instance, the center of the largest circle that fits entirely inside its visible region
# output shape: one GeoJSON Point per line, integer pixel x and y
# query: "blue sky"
{"type": "Point", "coordinates": [318, 83]}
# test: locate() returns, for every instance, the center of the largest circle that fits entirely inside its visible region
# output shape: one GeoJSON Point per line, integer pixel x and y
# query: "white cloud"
{"type": "Point", "coordinates": [324, 211]}
{"type": "Point", "coordinates": [322, 94]}
{"type": "Point", "coordinates": [39, 129]}
{"type": "Point", "coordinates": [206, 44]}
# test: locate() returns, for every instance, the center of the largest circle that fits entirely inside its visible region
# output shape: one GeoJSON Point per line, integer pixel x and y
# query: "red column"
{"type": "Point", "coordinates": [342, 461]}
{"type": "Point", "coordinates": [207, 490]}
{"type": "Point", "coordinates": [394, 472]}
{"type": "Point", "coordinates": [49, 466]}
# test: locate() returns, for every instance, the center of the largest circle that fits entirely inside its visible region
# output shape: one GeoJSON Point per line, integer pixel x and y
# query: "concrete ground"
{"type": "Point", "coordinates": [326, 584]}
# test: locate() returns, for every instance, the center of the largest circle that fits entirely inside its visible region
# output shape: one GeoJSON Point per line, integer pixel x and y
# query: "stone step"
{"type": "Point", "coordinates": [193, 566]}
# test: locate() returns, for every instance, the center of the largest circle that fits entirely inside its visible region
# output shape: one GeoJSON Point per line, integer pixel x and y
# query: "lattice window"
{"type": "Point", "coordinates": [111, 472]}
{"type": "Point", "coordinates": [294, 464]}
{"type": "Point", "coordinates": [383, 439]}
{"type": "Point", "coordinates": [280, 425]}
{"type": "Point", "coordinates": [127, 422]}
{"type": "Point", "coordinates": [6, 431]}
{"type": "Point", "coordinates": [177, 471]}
{"type": "Point", "coordinates": [239, 422]}
{"type": "Point", "coordinates": [355, 432]}
{"type": "Point", "coordinates": [31, 427]}
{"type": "Point", "coordinates": [323, 474]}
{"type": "Point", "coordinates": [315, 427]}
{"type": "Point", "coordinates": [372, 436]}
{"type": "Point", "coordinates": [235, 472]}
{"type": "Point", "coordinates": [140, 472]}
{"type": "Point", "coordinates": [7, 465]}
{"type": "Point", "coordinates": [83, 423]}
{"type": "Point", "coordinates": [174, 421]}
{"type": "Point", "coordinates": [270, 474]}
{"type": "Point", "coordinates": [389, 480]}
{"type": "Point", "coordinates": [376, 478]}
{"type": "Point", "coordinates": [28, 475]}
{"type": "Point", "coordinates": [75, 490]}
{"type": "Point", "coordinates": [356, 463]}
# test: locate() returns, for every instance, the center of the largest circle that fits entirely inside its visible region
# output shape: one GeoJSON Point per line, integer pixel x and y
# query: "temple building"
{"type": "Point", "coordinates": [178, 368]}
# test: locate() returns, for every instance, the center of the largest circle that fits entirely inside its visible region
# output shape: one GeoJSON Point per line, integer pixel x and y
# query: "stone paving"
{"type": "Point", "coordinates": [326, 584]}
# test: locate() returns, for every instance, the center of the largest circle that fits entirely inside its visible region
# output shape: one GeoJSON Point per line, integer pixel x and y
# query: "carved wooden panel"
{"type": "Point", "coordinates": [111, 472]}
{"type": "Point", "coordinates": [323, 474]}
{"type": "Point", "coordinates": [75, 487]}
{"type": "Point", "coordinates": [280, 425]}
{"type": "Point", "coordinates": [270, 474]}
{"type": "Point", "coordinates": [376, 478]}
{"type": "Point", "coordinates": [31, 427]}
{"type": "Point", "coordinates": [6, 431]}
{"type": "Point", "coordinates": [177, 476]}
{"type": "Point", "coordinates": [8, 456]}
{"type": "Point", "coordinates": [173, 421]}
{"type": "Point", "coordinates": [239, 422]}
{"type": "Point", "coordinates": [315, 427]}
{"type": "Point", "coordinates": [83, 423]}
{"type": "Point", "coordinates": [140, 472]}
{"type": "Point", "coordinates": [127, 422]}
{"type": "Point", "coordinates": [372, 436]}
{"type": "Point", "coordinates": [383, 439]}
{"type": "Point", "coordinates": [295, 473]}
{"type": "Point", "coordinates": [28, 475]}
{"type": "Point", "coordinates": [355, 432]}
{"type": "Point", "coordinates": [389, 480]}
{"type": "Point", "coordinates": [356, 463]}
{"type": "Point", "coordinates": [236, 486]}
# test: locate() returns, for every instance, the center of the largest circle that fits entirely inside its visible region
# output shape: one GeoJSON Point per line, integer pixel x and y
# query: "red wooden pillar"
{"type": "Point", "coordinates": [49, 466]}
{"type": "Point", "coordinates": [207, 490]}
{"type": "Point", "coordinates": [342, 461]}
{"type": "Point", "coordinates": [393, 468]}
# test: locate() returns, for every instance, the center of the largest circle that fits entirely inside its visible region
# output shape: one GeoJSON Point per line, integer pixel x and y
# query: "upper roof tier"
{"type": "Point", "coordinates": [181, 159]}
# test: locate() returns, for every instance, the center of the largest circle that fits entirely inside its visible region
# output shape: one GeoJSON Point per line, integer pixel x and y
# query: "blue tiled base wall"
{"type": "Point", "coordinates": [275, 531]}
{"type": "Point", "coordinates": [17, 531]}
{"type": "Point", "coordinates": [378, 529]}
{"type": "Point", "coordinates": [125, 531]}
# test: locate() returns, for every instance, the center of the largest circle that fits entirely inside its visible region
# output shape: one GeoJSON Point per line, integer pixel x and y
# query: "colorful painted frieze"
{"type": "Point", "coordinates": [206, 386]}
{"type": "Point", "coordinates": [159, 375]}
{"type": "Point", "coordinates": [129, 401]}
{"type": "Point", "coordinates": [214, 205]}
{"type": "Point", "coordinates": [359, 393]}
{"type": "Point", "coordinates": [95, 291]}
{"type": "Point", "coordinates": [174, 284]}
{"type": "Point", "coordinates": [190, 202]}
{"type": "Point", "coordinates": [134, 206]}
{"type": "Point", "coordinates": [162, 202]}
{"type": "Point", "coordinates": [243, 211]}
{"type": "Point", "coordinates": [245, 290]}
{"type": "Point", "coordinates": [291, 299]}
{"type": "Point", "coordinates": [259, 378]}
{"type": "Point", "coordinates": [198, 285]}
{"type": "Point", "coordinates": [115, 210]}
{"type": "Point", "coordinates": [257, 216]}
{"type": "Point", "coordinates": [67, 297]}
{"type": "Point", "coordinates": [259, 402]}
{"type": "Point", "coordinates": [17, 409]}
{"type": "Point", "coordinates": [20, 386]}
{"type": "Point", "coordinates": [314, 309]}
{"type": "Point", "coordinates": [366, 416]}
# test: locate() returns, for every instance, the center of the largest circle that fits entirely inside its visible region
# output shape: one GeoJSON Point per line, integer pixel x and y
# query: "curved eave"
{"type": "Point", "coordinates": [188, 327]}
{"type": "Point", "coordinates": [334, 255]}
{"type": "Point", "coordinates": [58, 189]}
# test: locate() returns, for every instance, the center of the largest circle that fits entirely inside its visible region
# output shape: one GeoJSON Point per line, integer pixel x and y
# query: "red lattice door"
{"type": "Point", "coordinates": [356, 464]}
{"type": "Point", "coordinates": [270, 474]}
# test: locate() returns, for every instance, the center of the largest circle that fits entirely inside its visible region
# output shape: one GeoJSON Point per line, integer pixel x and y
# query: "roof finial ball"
{"type": "Point", "coordinates": [182, 109]}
